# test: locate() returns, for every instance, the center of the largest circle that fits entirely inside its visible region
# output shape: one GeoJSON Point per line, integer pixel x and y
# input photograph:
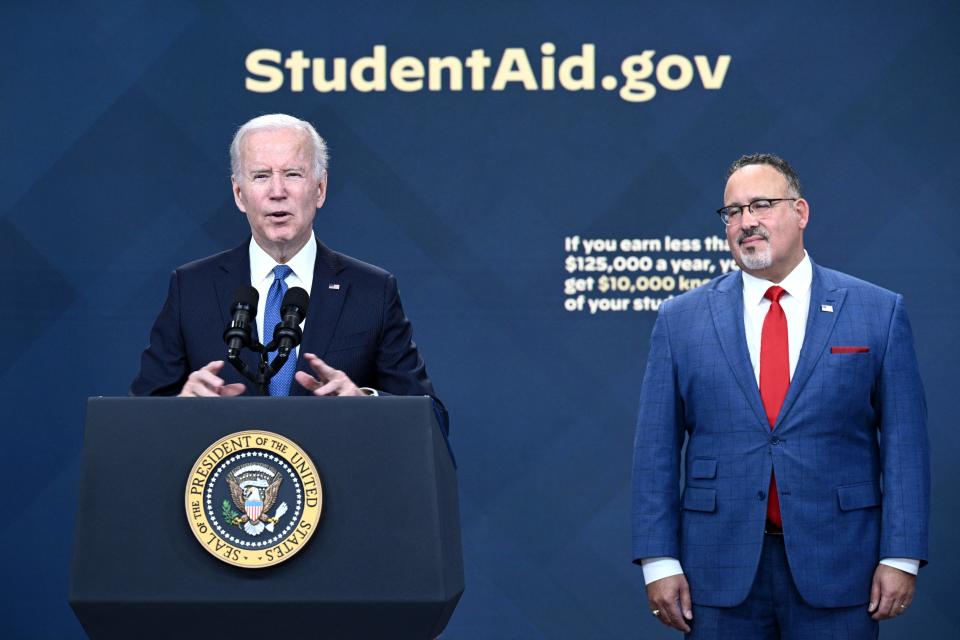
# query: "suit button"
{"type": "Point", "coordinates": [761, 495]}
{"type": "Point", "coordinates": [774, 440]}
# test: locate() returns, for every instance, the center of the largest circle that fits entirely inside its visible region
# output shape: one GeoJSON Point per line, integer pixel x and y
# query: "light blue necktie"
{"type": "Point", "coordinates": [280, 383]}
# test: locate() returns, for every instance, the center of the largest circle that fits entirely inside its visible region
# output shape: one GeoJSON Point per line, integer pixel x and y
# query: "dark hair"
{"type": "Point", "coordinates": [776, 162]}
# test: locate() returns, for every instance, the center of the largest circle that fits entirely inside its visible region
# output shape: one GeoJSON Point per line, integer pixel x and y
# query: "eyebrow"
{"type": "Point", "coordinates": [751, 200]}
{"type": "Point", "coordinates": [283, 170]}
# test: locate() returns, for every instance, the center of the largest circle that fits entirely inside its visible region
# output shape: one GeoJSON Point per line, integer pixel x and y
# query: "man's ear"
{"type": "Point", "coordinates": [237, 194]}
{"type": "Point", "coordinates": [802, 208]}
{"type": "Point", "coordinates": [322, 190]}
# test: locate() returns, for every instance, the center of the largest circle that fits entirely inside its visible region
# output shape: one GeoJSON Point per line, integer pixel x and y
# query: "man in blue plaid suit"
{"type": "Point", "coordinates": [807, 521]}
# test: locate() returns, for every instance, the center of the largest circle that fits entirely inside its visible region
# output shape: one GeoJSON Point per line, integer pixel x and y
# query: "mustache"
{"type": "Point", "coordinates": [755, 231]}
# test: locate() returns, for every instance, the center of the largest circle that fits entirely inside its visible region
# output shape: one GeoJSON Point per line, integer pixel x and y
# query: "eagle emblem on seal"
{"type": "Point", "coordinates": [253, 489]}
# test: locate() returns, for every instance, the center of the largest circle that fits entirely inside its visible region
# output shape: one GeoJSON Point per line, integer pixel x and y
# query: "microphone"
{"type": "Point", "coordinates": [244, 309]}
{"type": "Point", "coordinates": [293, 310]}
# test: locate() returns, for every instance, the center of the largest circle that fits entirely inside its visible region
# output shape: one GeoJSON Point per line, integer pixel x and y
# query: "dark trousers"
{"type": "Point", "coordinates": [774, 610]}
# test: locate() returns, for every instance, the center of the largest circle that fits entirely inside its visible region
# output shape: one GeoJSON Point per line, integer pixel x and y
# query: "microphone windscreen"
{"type": "Point", "coordinates": [297, 297]}
{"type": "Point", "coordinates": [247, 296]}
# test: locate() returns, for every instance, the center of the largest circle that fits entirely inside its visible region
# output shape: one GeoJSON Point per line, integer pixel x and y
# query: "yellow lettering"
{"type": "Point", "coordinates": [256, 65]}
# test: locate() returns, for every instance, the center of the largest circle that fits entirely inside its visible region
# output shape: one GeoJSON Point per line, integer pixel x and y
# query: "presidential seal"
{"type": "Point", "coordinates": [253, 499]}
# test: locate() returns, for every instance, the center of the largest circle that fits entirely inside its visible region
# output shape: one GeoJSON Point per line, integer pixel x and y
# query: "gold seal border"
{"type": "Point", "coordinates": [302, 466]}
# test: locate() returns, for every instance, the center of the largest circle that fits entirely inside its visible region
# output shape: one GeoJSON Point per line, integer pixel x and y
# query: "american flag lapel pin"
{"type": "Point", "coordinates": [826, 307]}
{"type": "Point", "coordinates": [333, 287]}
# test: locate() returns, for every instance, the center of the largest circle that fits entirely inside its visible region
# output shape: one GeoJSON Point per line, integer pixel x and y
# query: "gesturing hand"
{"type": "Point", "coordinates": [205, 383]}
{"type": "Point", "coordinates": [328, 381]}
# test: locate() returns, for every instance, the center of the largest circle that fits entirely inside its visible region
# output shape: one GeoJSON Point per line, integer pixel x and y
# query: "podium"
{"type": "Point", "coordinates": [384, 560]}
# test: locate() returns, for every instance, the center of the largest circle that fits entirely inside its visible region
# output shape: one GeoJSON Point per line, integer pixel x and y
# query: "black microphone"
{"type": "Point", "coordinates": [244, 309]}
{"type": "Point", "coordinates": [293, 310]}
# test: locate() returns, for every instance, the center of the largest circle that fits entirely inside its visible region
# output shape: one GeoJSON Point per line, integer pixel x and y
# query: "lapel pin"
{"type": "Point", "coordinates": [826, 307]}
{"type": "Point", "coordinates": [335, 287]}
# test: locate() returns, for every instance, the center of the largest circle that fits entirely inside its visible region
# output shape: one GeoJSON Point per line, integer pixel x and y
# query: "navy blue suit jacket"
{"type": "Point", "coordinates": [359, 328]}
{"type": "Point", "coordinates": [849, 447]}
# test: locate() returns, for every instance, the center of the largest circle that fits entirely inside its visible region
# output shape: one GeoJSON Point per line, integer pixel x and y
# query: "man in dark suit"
{"type": "Point", "coordinates": [354, 321]}
{"type": "Point", "coordinates": [804, 510]}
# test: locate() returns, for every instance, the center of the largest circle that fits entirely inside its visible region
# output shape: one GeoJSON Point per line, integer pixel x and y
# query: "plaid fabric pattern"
{"type": "Point", "coordinates": [849, 447]}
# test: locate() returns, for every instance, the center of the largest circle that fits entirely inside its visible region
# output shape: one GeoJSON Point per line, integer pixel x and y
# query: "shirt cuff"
{"type": "Point", "coordinates": [660, 567]}
{"type": "Point", "coordinates": [904, 564]}
{"type": "Point", "coordinates": [369, 391]}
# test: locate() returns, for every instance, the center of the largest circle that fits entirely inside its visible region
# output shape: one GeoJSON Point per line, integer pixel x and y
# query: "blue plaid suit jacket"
{"type": "Point", "coordinates": [849, 447]}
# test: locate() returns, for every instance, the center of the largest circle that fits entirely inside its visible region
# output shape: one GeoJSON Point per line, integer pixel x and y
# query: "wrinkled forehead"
{"type": "Point", "coordinates": [755, 181]}
{"type": "Point", "coordinates": [276, 148]}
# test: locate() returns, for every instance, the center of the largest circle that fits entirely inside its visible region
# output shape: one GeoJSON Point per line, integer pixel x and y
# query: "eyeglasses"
{"type": "Point", "coordinates": [760, 208]}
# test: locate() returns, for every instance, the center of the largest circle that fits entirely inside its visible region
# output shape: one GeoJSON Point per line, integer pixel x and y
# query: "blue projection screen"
{"type": "Point", "coordinates": [538, 175]}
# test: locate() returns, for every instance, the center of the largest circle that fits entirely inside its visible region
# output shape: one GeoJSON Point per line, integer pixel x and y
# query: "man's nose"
{"type": "Point", "coordinates": [747, 219]}
{"type": "Point", "coordinates": [277, 189]}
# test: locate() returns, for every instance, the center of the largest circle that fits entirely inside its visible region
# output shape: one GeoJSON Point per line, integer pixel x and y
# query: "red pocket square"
{"type": "Point", "coordinates": [849, 349]}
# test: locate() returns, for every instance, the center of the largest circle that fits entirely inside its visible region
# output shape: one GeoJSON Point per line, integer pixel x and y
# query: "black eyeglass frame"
{"type": "Point", "coordinates": [728, 212]}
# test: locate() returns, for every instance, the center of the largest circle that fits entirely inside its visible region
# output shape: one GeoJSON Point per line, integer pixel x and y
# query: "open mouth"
{"type": "Point", "coordinates": [279, 215]}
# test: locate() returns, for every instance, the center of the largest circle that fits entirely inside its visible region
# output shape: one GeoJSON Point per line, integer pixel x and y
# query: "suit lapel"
{"type": "Point", "coordinates": [235, 273]}
{"type": "Point", "coordinates": [726, 306]}
{"type": "Point", "coordinates": [327, 295]}
{"type": "Point", "coordinates": [819, 327]}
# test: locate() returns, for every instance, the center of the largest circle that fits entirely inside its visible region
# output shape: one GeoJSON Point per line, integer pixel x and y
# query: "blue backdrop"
{"type": "Point", "coordinates": [116, 120]}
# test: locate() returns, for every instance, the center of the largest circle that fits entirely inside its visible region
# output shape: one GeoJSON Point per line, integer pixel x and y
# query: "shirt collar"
{"type": "Point", "coordinates": [261, 264]}
{"type": "Point", "coordinates": [796, 284]}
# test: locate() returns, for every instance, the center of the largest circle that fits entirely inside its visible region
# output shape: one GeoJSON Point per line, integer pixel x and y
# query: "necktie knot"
{"type": "Point", "coordinates": [774, 293]}
{"type": "Point", "coordinates": [281, 271]}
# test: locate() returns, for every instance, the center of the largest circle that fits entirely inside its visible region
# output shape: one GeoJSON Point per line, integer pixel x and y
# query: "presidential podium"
{"type": "Point", "coordinates": [384, 560]}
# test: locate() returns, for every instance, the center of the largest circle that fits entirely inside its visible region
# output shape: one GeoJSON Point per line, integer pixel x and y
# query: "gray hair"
{"type": "Point", "coordinates": [778, 163]}
{"type": "Point", "coordinates": [280, 121]}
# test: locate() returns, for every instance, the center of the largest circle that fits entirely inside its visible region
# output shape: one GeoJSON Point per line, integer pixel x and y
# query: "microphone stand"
{"type": "Point", "coordinates": [287, 335]}
{"type": "Point", "coordinates": [266, 369]}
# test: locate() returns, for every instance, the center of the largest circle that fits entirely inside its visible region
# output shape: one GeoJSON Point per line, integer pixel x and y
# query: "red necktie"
{"type": "Point", "coordinates": [774, 377]}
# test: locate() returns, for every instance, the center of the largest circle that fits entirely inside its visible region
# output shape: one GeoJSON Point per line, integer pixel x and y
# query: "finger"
{"type": "Point", "coordinates": [205, 378]}
{"type": "Point", "coordinates": [664, 615]}
{"type": "Point", "coordinates": [905, 604]}
{"type": "Point", "coordinates": [231, 390]}
{"type": "Point", "coordinates": [197, 389]}
{"type": "Point", "coordinates": [323, 370]}
{"type": "Point", "coordinates": [654, 606]}
{"type": "Point", "coordinates": [676, 616]}
{"type": "Point", "coordinates": [885, 610]}
{"type": "Point", "coordinates": [204, 382]}
{"type": "Point", "coordinates": [874, 594]}
{"type": "Point", "coordinates": [307, 381]}
{"type": "Point", "coordinates": [345, 387]}
{"type": "Point", "coordinates": [686, 604]}
{"type": "Point", "coordinates": [669, 611]}
{"type": "Point", "coordinates": [896, 597]}
{"type": "Point", "coordinates": [908, 592]}
{"type": "Point", "coordinates": [881, 612]}
{"type": "Point", "coordinates": [332, 388]}
{"type": "Point", "coordinates": [663, 618]}
{"type": "Point", "coordinates": [898, 603]}
{"type": "Point", "coordinates": [213, 367]}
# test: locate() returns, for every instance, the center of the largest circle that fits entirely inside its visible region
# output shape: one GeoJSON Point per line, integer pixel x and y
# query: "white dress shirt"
{"type": "Point", "coordinates": [795, 303]}
{"type": "Point", "coordinates": [796, 306]}
{"type": "Point", "coordinates": [261, 277]}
